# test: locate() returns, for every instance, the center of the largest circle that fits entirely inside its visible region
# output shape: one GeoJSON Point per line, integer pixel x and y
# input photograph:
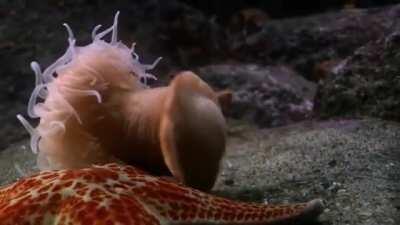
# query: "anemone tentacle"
{"type": "Point", "coordinates": [85, 92]}
{"type": "Point", "coordinates": [114, 35]}
{"type": "Point", "coordinates": [112, 29]}
{"type": "Point", "coordinates": [33, 99]}
{"type": "Point", "coordinates": [67, 104]}
{"type": "Point", "coordinates": [64, 59]}
{"type": "Point", "coordinates": [59, 88]}
{"type": "Point", "coordinates": [70, 32]}
{"type": "Point", "coordinates": [133, 53]}
{"type": "Point", "coordinates": [95, 29]}
{"type": "Point", "coordinates": [38, 72]}
{"type": "Point", "coordinates": [32, 132]}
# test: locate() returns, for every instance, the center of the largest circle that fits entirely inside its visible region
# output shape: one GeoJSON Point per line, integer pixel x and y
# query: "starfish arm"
{"type": "Point", "coordinates": [176, 204]}
{"type": "Point", "coordinates": [117, 194]}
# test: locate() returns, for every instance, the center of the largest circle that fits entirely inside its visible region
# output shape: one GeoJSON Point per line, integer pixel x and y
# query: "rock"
{"type": "Point", "coordinates": [188, 37]}
{"type": "Point", "coordinates": [302, 43]}
{"type": "Point", "coordinates": [268, 96]}
{"type": "Point", "coordinates": [368, 83]}
{"type": "Point", "coordinates": [322, 70]}
{"type": "Point", "coordinates": [291, 164]}
{"type": "Point", "coordinates": [305, 42]}
{"type": "Point", "coordinates": [283, 8]}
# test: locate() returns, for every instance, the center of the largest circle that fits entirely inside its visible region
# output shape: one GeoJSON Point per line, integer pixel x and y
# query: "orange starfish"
{"type": "Point", "coordinates": [116, 194]}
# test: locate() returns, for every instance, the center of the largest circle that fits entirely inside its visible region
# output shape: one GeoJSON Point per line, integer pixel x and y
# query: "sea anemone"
{"type": "Point", "coordinates": [95, 108]}
{"type": "Point", "coordinates": [78, 90]}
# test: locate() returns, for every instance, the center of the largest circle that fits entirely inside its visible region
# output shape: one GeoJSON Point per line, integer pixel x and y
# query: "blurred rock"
{"type": "Point", "coordinates": [306, 42]}
{"type": "Point", "coordinates": [282, 8]}
{"type": "Point", "coordinates": [302, 43]}
{"type": "Point", "coordinates": [367, 84]}
{"type": "Point", "coordinates": [267, 96]}
{"type": "Point", "coordinates": [244, 23]}
{"type": "Point", "coordinates": [323, 69]}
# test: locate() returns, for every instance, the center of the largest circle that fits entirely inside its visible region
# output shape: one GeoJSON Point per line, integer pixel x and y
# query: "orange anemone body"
{"type": "Point", "coordinates": [82, 115]}
{"type": "Point", "coordinates": [97, 110]}
{"type": "Point", "coordinates": [91, 124]}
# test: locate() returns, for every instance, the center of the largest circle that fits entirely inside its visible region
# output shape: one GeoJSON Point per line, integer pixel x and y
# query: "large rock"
{"type": "Point", "coordinates": [267, 96]}
{"type": "Point", "coordinates": [193, 38]}
{"type": "Point", "coordinates": [305, 42]}
{"type": "Point", "coordinates": [366, 84]}
{"type": "Point", "coordinates": [352, 164]}
{"type": "Point", "coordinates": [282, 8]}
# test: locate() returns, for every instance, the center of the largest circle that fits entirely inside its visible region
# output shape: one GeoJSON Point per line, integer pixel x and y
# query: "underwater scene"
{"type": "Point", "coordinates": [179, 112]}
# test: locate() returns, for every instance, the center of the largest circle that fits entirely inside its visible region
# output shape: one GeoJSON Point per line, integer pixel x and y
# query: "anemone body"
{"type": "Point", "coordinates": [193, 130]}
{"type": "Point", "coordinates": [78, 100]}
{"type": "Point", "coordinates": [90, 124]}
{"type": "Point", "coordinates": [96, 110]}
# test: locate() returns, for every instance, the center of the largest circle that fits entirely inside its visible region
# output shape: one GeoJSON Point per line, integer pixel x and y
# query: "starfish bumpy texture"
{"type": "Point", "coordinates": [124, 195]}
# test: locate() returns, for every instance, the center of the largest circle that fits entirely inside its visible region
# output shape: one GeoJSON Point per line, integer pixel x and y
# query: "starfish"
{"type": "Point", "coordinates": [118, 194]}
